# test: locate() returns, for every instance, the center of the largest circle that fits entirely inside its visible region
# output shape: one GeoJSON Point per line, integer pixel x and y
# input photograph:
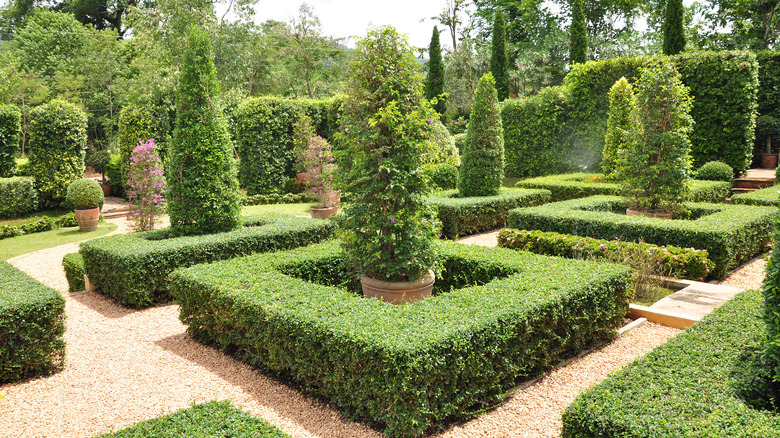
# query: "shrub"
{"type": "Point", "coordinates": [442, 149]}
{"type": "Point", "coordinates": [98, 160]}
{"type": "Point", "coordinates": [134, 268]}
{"type": "Point", "coordinates": [10, 127]}
{"type": "Point", "coordinates": [153, 118]}
{"type": "Point", "coordinates": [460, 142]}
{"type": "Point", "coordinates": [38, 225]}
{"type": "Point", "coordinates": [320, 168]}
{"type": "Point", "coordinates": [73, 265]}
{"type": "Point", "coordinates": [434, 82]}
{"type": "Point", "coordinates": [767, 196]}
{"type": "Point", "coordinates": [671, 260]}
{"type": "Point", "coordinates": [464, 216]}
{"type": "Point", "coordinates": [731, 234]}
{"type": "Point", "coordinates": [114, 174]}
{"type": "Point", "coordinates": [578, 34]}
{"type": "Point", "coordinates": [497, 317]}
{"type": "Point", "coordinates": [621, 103]}
{"type": "Point", "coordinates": [58, 141]}
{"type": "Point", "coordinates": [17, 196]}
{"type": "Point", "coordinates": [32, 324]}
{"type": "Point", "coordinates": [303, 132]}
{"type": "Point", "coordinates": [146, 186]}
{"type": "Point", "coordinates": [499, 63]}
{"type": "Point", "coordinates": [689, 386]}
{"type": "Point", "coordinates": [715, 171]}
{"type": "Point", "coordinates": [22, 166]}
{"type": "Point", "coordinates": [85, 193]}
{"type": "Point", "coordinates": [275, 198]}
{"type": "Point", "coordinates": [203, 192]}
{"type": "Point", "coordinates": [771, 292]}
{"type": "Point", "coordinates": [482, 169]}
{"type": "Point", "coordinates": [673, 27]}
{"type": "Point", "coordinates": [442, 176]}
{"type": "Point", "coordinates": [768, 95]}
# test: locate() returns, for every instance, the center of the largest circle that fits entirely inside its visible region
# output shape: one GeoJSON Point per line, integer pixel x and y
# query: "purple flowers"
{"type": "Point", "coordinates": [147, 186]}
{"type": "Point", "coordinates": [320, 168]}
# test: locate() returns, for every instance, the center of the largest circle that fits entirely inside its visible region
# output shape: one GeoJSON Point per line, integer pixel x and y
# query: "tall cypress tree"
{"type": "Point", "coordinates": [498, 58]}
{"type": "Point", "coordinates": [674, 33]}
{"type": "Point", "coordinates": [578, 34]}
{"type": "Point", "coordinates": [482, 164]}
{"type": "Point", "coordinates": [203, 192]}
{"type": "Point", "coordinates": [434, 84]}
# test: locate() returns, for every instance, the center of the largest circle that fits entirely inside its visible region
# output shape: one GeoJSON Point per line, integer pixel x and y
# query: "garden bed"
{"type": "Point", "coordinates": [497, 316]}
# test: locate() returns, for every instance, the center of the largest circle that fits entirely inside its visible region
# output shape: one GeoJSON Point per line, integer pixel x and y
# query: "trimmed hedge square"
{"type": "Point", "coordinates": [17, 196]}
{"type": "Point", "coordinates": [687, 387]}
{"type": "Point", "coordinates": [465, 216]}
{"type": "Point", "coordinates": [766, 196]}
{"type": "Point", "coordinates": [133, 268]}
{"type": "Point", "coordinates": [497, 316]}
{"type": "Point", "coordinates": [32, 324]}
{"type": "Point", "coordinates": [731, 234]}
{"type": "Point", "coordinates": [73, 265]}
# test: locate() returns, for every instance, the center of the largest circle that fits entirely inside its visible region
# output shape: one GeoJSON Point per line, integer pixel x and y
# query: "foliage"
{"type": "Point", "coordinates": [320, 169]}
{"type": "Point", "coordinates": [460, 142]}
{"type": "Point", "coordinates": [499, 63]}
{"type": "Point", "coordinates": [621, 103]}
{"type": "Point", "coordinates": [771, 292]}
{"type": "Point", "coordinates": [41, 224]}
{"type": "Point", "coordinates": [203, 188]}
{"type": "Point", "coordinates": [73, 265]}
{"type": "Point", "coordinates": [276, 198]}
{"type": "Point", "coordinates": [434, 81]}
{"type": "Point", "coordinates": [17, 196]}
{"type": "Point", "coordinates": [84, 193]}
{"type": "Point", "coordinates": [388, 226]}
{"type": "Point", "coordinates": [578, 34]}
{"type": "Point", "coordinates": [98, 160]}
{"type": "Point", "coordinates": [497, 317]}
{"type": "Point", "coordinates": [767, 196]}
{"type": "Point", "coordinates": [442, 176]}
{"type": "Point", "coordinates": [32, 324]}
{"type": "Point", "coordinates": [657, 164]}
{"type": "Point", "coordinates": [482, 167]}
{"type": "Point", "coordinates": [674, 35]}
{"type": "Point", "coordinates": [442, 148]}
{"type": "Point", "coordinates": [134, 268]}
{"type": "Point", "coordinates": [10, 126]}
{"type": "Point", "coordinates": [461, 216]}
{"type": "Point", "coordinates": [303, 132]}
{"type": "Point", "coordinates": [58, 141]}
{"type": "Point", "coordinates": [146, 186]}
{"type": "Point", "coordinates": [114, 174]}
{"type": "Point", "coordinates": [715, 171]}
{"type": "Point", "coordinates": [731, 234]}
{"type": "Point", "coordinates": [140, 122]}
{"type": "Point", "coordinates": [462, 69]}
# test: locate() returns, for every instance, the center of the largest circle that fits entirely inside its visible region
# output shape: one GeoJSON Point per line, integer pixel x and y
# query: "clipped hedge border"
{"type": "Point", "coordinates": [465, 216]}
{"type": "Point", "coordinates": [134, 268]}
{"type": "Point", "coordinates": [73, 265]}
{"type": "Point", "coordinates": [17, 196]}
{"type": "Point", "coordinates": [571, 186]}
{"type": "Point", "coordinates": [672, 261]}
{"type": "Point", "coordinates": [731, 234]}
{"type": "Point", "coordinates": [276, 198]}
{"type": "Point", "coordinates": [768, 196]}
{"type": "Point", "coordinates": [405, 368]}
{"type": "Point", "coordinates": [685, 387]}
{"type": "Point", "coordinates": [32, 324]}
{"type": "Point", "coordinates": [39, 225]}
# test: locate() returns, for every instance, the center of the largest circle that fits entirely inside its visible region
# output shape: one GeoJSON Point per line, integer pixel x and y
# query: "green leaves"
{"type": "Point", "coordinates": [17, 196]}
{"type": "Point", "coordinates": [482, 166]}
{"type": "Point", "coordinates": [10, 127]}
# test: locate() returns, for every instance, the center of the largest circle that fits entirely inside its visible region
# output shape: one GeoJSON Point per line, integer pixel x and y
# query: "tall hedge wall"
{"type": "Point", "coordinates": [264, 137]}
{"type": "Point", "coordinates": [10, 126]}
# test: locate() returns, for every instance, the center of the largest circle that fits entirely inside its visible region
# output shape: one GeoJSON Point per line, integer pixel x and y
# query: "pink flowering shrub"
{"type": "Point", "coordinates": [146, 186]}
{"type": "Point", "coordinates": [320, 167]}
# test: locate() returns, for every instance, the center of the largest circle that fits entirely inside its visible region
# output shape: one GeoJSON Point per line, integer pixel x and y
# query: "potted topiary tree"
{"type": "Point", "coordinates": [98, 160]}
{"type": "Point", "coordinates": [768, 127]}
{"type": "Point", "coordinates": [86, 197]}
{"type": "Point", "coordinates": [320, 168]}
{"type": "Point", "coordinates": [388, 228]}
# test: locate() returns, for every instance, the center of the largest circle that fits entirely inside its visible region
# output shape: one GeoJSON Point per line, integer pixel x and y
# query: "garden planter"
{"type": "Point", "coordinates": [322, 212]}
{"type": "Point", "coordinates": [106, 189]}
{"type": "Point", "coordinates": [398, 292]}
{"type": "Point", "coordinates": [87, 218]}
{"type": "Point", "coordinates": [768, 161]}
{"type": "Point", "coordinates": [655, 214]}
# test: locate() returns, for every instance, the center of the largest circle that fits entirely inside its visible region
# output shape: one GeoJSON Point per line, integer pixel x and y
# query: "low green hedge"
{"type": "Point", "coordinates": [497, 316]}
{"type": "Point", "coordinates": [17, 196]}
{"type": "Point", "coordinates": [672, 261]}
{"type": "Point", "coordinates": [767, 196]}
{"type": "Point", "coordinates": [38, 225]}
{"type": "Point", "coordinates": [465, 216]}
{"type": "Point", "coordinates": [134, 268]}
{"type": "Point", "coordinates": [73, 264]}
{"type": "Point", "coordinates": [32, 324]}
{"type": "Point", "coordinates": [731, 234]}
{"type": "Point", "coordinates": [573, 185]}
{"type": "Point", "coordinates": [215, 419]}
{"type": "Point", "coordinates": [276, 198]}
{"type": "Point", "coordinates": [688, 387]}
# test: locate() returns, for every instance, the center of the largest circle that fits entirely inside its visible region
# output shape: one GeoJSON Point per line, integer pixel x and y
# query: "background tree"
{"type": "Point", "coordinates": [450, 16]}
{"type": "Point", "coordinates": [498, 57]}
{"type": "Point", "coordinates": [578, 48]}
{"type": "Point", "coordinates": [674, 32]}
{"type": "Point", "coordinates": [434, 83]}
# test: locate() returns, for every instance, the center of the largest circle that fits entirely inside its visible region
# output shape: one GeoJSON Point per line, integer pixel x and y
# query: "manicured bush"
{"type": "Point", "coordinates": [731, 234]}
{"type": "Point", "coordinates": [497, 316]}
{"type": "Point", "coordinates": [767, 196]}
{"type": "Point", "coordinates": [463, 216]}
{"type": "Point", "coordinates": [84, 193]}
{"type": "Point", "coordinates": [73, 265]}
{"type": "Point", "coordinates": [622, 103]}
{"type": "Point", "coordinates": [771, 292]}
{"type": "Point", "coordinates": [442, 176]}
{"type": "Point", "coordinates": [674, 28]}
{"type": "Point", "coordinates": [215, 419]}
{"type": "Point", "coordinates": [114, 174]}
{"type": "Point", "coordinates": [460, 142]}
{"type": "Point", "coordinates": [715, 171]}
{"type": "Point", "coordinates": [672, 261]}
{"type": "Point", "coordinates": [482, 167]}
{"type": "Point", "coordinates": [578, 34]}
{"type": "Point", "coordinates": [442, 149]}
{"type": "Point", "coordinates": [58, 142]}
{"type": "Point", "coordinates": [689, 386]}
{"type": "Point", "coordinates": [32, 324]}
{"type": "Point", "coordinates": [275, 198]}
{"type": "Point", "coordinates": [434, 81]}
{"type": "Point", "coordinates": [10, 127]}
{"type": "Point", "coordinates": [134, 268]}
{"type": "Point", "coordinates": [499, 62]}
{"type": "Point", "coordinates": [17, 196]}
{"type": "Point", "coordinates": [303, 132]}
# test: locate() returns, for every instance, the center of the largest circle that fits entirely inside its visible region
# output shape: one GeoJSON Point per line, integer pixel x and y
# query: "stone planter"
{"type": "Point", "coordinates": [322, 213]}
{"type": "Point", "coordinates": [398, 292]}
{"type": "Point", "coordinates": [87, 218]}
{"type": "Point", "coordinates": [768, 161]}
{"type": "Point", "coordinates": [655, 214]}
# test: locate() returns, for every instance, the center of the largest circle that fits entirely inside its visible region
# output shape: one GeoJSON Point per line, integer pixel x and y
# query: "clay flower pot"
{"type": "Point", "coordinates": [768, 161]}
{"type": "Point", "coordinates": [106, 189]}
{"type": "Point", "coordinates": [655, 214]}
{"type": "Point", "coordinates": [398, 292]}
{"type": "Point", "coordinates": [322, 212]}
{"type": "Point", "coordinates": [87, 218]}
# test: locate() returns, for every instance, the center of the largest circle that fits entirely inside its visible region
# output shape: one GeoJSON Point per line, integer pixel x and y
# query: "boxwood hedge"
{"type": "Point", "coordinates": [688, 387]}
{"type": "Point", "coordinates": [464, 216]}
{"type": "Point", "coordinates": [497, 316]}
{"type": "Point", "coordinates": [73, 265]}
{"type": "Point", "coordinates": [581, 185]}
{"type": "Point", "coordinates": [767, 196]}
{"type": "Point", "coordinates": [731, 234]}
{"type": "Point", "coordinates": [17, 196]}
{"type": "Point", "coordinates": [134, 268]}
{"type": "Point", "coordinates": [32, 323]}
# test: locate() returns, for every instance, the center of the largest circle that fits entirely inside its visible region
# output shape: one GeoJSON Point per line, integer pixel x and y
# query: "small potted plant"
{"type": "Point", "coordinates": [86, 197]}
{"type": "Point", "coordinates": [768, 127]}
{"type": "Point", "coordinates": [320, 168]}
{"type": "Point", "coordinates": [98, 161]}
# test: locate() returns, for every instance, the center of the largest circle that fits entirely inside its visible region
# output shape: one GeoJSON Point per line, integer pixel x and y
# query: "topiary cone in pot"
{"type": "Point", "coordinates": [86, 197]}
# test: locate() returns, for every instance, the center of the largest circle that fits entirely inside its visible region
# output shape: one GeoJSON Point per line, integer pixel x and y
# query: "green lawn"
{"type": "Point", "coordinates": [291, 209]}
{"type": "Point", "coordinates": [15, 246]}
{"type": "Point", "coordinates": [54, 214]}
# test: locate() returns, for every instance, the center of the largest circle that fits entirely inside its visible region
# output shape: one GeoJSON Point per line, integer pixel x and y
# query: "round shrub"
{"type": "Point", "coordinates": [10, 126]}
{"type": "Point", "coordinates": [85, 193]}
{"type": "Point", "coordinates": [715, 171]}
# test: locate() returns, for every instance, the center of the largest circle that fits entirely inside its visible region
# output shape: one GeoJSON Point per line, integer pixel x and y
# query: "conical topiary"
{"type": "Point", "coordinates": [482, 164]}
{"type": "Point", "coordinates": [434, 83]}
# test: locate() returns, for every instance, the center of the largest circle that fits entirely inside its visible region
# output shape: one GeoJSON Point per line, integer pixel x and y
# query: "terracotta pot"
{"type": "Point", "coordinates": [87, 218]}
{"type": "Point", "coordinates": [768, 161]}
{"type": "Point", "coordinates": [106, 189]}
{"type": "Point", "coordinates": [398, 292]}
{"type": "Point", "coordinates": [655, 214]}
{"type": "Point", "coordinates": [322, 213]}
{"type": "Point", "coordinates": [301, 176]}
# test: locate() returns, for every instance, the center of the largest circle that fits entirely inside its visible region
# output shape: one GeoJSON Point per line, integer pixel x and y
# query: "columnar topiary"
{"type": "Point", "coordinates": [674, 32]}
{"type": "Point", "coordinates": [434, 83]}
{"type": "Point", "coordinates": [657, 161]}
{"type": "Point", "coordinates": [482, 164]}
{"type": "Point", "coordinates": [10, 126]}
{"type": "Point", "coordinates": [578, 34]}
{"type": "Point", "coordinates": [389, 226]}
{"type": "Point", "coordinates": [498, 58]}
{"type": "Point", "coordinates": [203, 192]}
{"type": "Point", "coordinates": [621, 103]}
{"type": "Point", "coordinates": [58, 143]}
